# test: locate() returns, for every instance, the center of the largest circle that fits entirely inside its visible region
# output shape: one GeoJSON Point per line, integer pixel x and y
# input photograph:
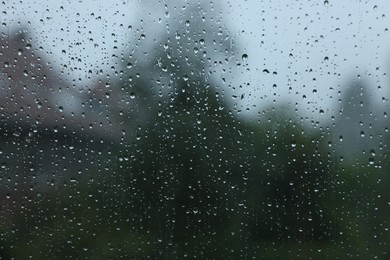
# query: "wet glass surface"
{"type": "Point", "coordinates": [208, 129]}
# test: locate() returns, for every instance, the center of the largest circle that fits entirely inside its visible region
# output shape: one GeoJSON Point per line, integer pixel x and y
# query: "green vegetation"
{"type": "Point", "coordinates": [199, 182]}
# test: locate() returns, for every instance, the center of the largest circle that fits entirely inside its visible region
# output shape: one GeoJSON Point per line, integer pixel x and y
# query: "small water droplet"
{"type": "Point", "coordinates": [371, 161]}
{"type": "Point", "coordinates": [244, 57]}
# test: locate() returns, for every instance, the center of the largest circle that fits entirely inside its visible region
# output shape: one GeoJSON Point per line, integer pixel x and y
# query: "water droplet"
{"type": "Point", "coordinates": [371, 161]}
{"type": "Point", "coordinates": [177, 36]}
{"type": "Point", "coordinates": [244, 57]}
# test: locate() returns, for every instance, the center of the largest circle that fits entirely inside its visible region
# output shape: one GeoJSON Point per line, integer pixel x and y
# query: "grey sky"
{"type": "Point", "coordinates": [314, 47]}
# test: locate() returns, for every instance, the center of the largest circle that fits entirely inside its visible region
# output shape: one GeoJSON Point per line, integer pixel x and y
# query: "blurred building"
{"type": "Point", "coordinates": [49, 129]}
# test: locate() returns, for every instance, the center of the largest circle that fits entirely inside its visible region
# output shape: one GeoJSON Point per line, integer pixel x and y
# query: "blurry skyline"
{"type": "Point", "coordinates": [302, 53]}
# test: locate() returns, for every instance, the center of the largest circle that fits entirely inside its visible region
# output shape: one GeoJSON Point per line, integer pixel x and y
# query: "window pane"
{"type": "Point", "coordinates": [208, 129]}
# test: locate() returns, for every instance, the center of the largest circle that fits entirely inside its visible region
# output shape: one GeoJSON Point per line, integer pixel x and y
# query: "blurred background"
{"type": "Point", "coordinates": [208, 129]}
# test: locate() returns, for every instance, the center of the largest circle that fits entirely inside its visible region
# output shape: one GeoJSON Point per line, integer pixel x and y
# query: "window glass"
{"type": "Point", "coordinates": [194, 129]}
